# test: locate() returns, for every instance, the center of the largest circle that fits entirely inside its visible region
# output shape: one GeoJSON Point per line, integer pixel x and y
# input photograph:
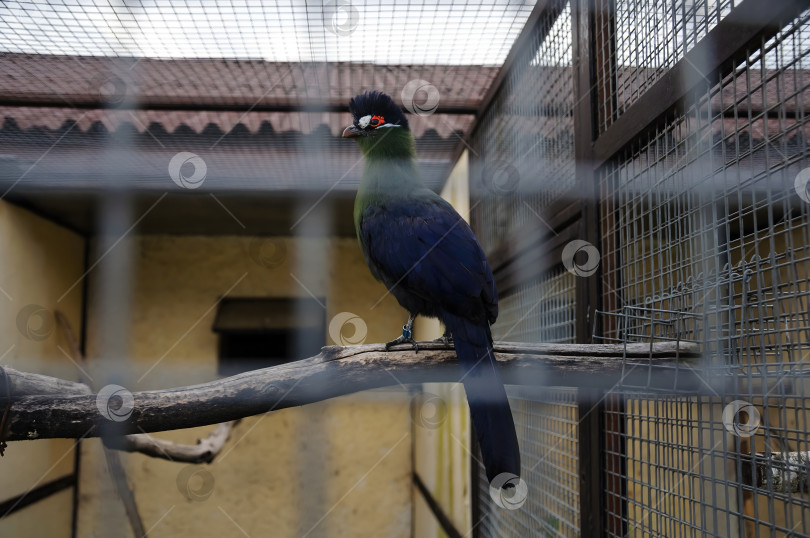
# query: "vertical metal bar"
{"type": "Point", "coordinates": [585, 106]}
{"type": "Point", "coordinates": [605, 64]}
{"type": "Point", "coordinates": [590, 403]}
{"type": "Point", "coordinates": [612, 420]}
{"type": "Point", "coordinates": [591, 480]}
{"type": "Point", "coordinates": [615, 466]}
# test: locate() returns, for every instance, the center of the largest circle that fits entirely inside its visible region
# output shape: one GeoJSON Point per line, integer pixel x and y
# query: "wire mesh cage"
{"type": "Point", "coordinates": [703, 229]}
{"type": "Point", "coordinates": [529, 127]}
{"type": "Point", "coordinates": [705, 241]}
{"type": "Point", "coordinates": [665, 141]}
{"type": "Point", "coordinates": [547, 426]}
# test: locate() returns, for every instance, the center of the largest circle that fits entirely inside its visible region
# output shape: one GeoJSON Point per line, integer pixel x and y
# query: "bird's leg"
{"type": "Point", "coordinates": [446, 338]}
{"type": "Point", "coordinates": [407, 335]}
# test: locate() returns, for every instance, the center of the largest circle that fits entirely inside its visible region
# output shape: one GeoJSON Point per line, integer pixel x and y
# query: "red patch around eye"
{"type": "Point", "coordinates": [376, 121]}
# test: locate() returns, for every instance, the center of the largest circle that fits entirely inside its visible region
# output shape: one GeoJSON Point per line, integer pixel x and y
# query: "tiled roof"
{"type": "Point", "coordinates": [282, 133]}
{"type": "Point", "coordinates": [135, 154]}
{"type": "Point", "coordinates": [75, 81]}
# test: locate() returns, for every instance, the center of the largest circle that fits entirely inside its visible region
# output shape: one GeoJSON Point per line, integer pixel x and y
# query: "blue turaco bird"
{"type": "Point", "coordinates": [427, 256]}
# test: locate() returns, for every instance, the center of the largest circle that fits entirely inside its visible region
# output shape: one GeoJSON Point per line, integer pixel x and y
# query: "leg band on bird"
{"type": "Point", "coordinates": [406, 337]}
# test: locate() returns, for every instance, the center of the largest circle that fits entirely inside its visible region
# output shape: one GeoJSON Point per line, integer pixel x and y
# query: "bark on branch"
{"type": "Point", "coordinates": [27, 384]}
{"type": "Point", "coordinates": [342, 370]}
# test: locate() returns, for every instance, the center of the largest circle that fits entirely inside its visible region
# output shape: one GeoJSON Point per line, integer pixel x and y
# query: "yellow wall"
{"type": "Point", "coordinates": [40, 262]}
{"type": "Point", "coordinates": [336, 468]}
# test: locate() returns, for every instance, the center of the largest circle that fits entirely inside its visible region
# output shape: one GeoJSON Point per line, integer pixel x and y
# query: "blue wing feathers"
{"type": "Point", "coordinates": [428, 249]}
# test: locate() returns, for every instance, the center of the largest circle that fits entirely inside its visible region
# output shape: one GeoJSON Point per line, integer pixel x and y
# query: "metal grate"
{"type": "Point", "coordinates": [705, 238]}
{"type": "Point", "coordinates": [287, 31]}
{"type": "Point", "coordinates": [646, 38]}
{"type": "Point", "coordinates": [675, 470]}
{"type": "Point", "coordinates": [546, 422]}
{"type": "Point", "coordinates": [523, 162]}
{"type": "Point", "coordinates": [524, 147]}
{"type": "Point", "coordinates": [539, 312]}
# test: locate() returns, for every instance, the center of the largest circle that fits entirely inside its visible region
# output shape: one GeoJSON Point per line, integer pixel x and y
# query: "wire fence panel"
{"type": "Point", "coordinates": [546, 421]}
{"type": "Point", "coordinates": [285, 30]}
{"type": "Point", "coordinates": [522, 163]}
{"type": "Point", "coordinates": [648, 38]}
{"type": "Point", "coordinates": [523, 150]}
{"type": "Point", "coordinates": [705, 227]}
{"type": "Point", "coordinates": [539, 312]}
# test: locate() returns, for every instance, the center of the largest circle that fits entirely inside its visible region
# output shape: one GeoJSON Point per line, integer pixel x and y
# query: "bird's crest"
{"type": "Point", "coordinates": [375, 109]}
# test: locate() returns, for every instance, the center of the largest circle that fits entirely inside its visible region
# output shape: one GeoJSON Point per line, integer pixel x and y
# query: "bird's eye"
{"type": "Point", "coordinates": [376, 121]}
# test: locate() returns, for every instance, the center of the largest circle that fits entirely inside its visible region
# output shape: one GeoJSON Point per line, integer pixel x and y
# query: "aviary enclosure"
{"type": "Point", "coordinates": [176, 208]}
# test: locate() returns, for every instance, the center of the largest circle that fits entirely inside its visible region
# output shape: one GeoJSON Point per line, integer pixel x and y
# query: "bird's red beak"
{"type": "Point", "coordinates": [352, 132]}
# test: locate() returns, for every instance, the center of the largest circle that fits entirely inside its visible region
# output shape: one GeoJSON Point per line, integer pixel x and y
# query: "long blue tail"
{"type": "Point", "coordinates": [489, 407]}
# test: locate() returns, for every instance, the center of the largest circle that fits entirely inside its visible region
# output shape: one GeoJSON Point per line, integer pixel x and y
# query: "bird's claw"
{"type": "Point", "coordinates": [445, 340]}
{"type": "Point", "coordinates": [405, 338]}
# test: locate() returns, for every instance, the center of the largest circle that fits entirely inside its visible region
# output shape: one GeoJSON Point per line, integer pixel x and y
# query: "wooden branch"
{"type": "Point", "coordinates": [27, 384]}
{"type": "Point", "coordinates": [337, 371]}
{"type": "Point", "coordinates": [203, 452]}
